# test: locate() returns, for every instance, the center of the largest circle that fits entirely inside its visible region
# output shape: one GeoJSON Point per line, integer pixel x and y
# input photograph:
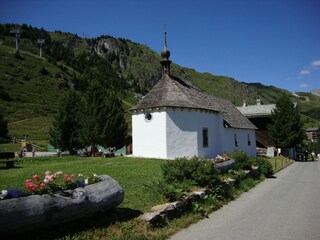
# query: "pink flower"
{"type": "Point", "coordinates": [47, 173]}
{"type": "Point", "coordinates": [49, 178]}
{"type": "Point", "coordinates": [65, 177]}
{"type": "Point", "coordinates": [27, 181]}
{"type": "Point", "coordinates": [36, 177]}
{"type": "Point", "coordinates": [42, 185]}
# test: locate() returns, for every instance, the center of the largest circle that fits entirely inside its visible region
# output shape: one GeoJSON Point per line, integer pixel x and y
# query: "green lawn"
{"type": "Point", "coordinates": [133, 174]}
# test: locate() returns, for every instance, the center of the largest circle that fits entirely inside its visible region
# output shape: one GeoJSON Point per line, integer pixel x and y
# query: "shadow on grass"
{"type": "Point", "coordinates": [102, 220]}
{"type": "Point", "coordinates": [8, 168]}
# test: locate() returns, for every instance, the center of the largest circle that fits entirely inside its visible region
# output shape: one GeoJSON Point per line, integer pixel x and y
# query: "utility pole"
{"type": "Point", "coordinates": [17, 34]}
{"type": "Point", "coordinates": [40, 42]}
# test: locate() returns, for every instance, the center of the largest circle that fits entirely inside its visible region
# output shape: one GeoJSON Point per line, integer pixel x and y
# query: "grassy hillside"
{"type": "Point", "coordinates": [30, 90]}
{"type": "Point", "coordinates": [310, 104]}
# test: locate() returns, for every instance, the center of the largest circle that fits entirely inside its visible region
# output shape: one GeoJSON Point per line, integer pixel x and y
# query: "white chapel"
{"type": "Point", "coordinates": [177, 120]}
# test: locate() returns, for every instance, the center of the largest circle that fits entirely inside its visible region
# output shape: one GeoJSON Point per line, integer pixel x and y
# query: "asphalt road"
{"type": "Point", "coordinates": [283, 208]}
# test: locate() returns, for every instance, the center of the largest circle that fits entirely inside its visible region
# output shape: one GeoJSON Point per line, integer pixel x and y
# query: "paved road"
{"type": "Point", "coordinates": [284, 208]}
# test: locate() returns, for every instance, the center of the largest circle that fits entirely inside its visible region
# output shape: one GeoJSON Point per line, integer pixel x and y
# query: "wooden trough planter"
{"type": "Point", "coordinates": [40, 211]}
{"type": "Point", "coordinates": [225, 166]}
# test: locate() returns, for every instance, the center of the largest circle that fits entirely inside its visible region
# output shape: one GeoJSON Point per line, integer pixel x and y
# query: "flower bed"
{"type": "Point", "coordinates": [51, 183]}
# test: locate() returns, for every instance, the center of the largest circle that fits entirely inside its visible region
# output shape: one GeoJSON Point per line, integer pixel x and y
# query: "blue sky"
{"type": "Point", "coordinates": [275, 42]}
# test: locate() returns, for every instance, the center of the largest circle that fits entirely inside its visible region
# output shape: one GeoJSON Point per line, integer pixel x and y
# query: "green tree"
{"type": "Point", "coordinates": [286, 125]}
{"type": "Point", "coordinates": [3, 128]}
{"type": "Point", "coordinates": [103, 120]}
{"type": "Point", "coordinates": [64, 134]}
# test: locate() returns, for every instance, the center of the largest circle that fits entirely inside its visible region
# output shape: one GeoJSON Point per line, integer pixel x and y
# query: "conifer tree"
{"type": "Point", "coordinates": [103, 120]}
{"type": "Point", "coordinates": [286, 125]}
{"type": "Point", "coordinates": [64, 134]}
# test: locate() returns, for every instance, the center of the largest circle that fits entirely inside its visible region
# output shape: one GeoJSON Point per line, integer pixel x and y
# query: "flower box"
{"type": "Point", "coordinates": [39, 211]}
{"type": "Point", "coordinates": [223, 167]}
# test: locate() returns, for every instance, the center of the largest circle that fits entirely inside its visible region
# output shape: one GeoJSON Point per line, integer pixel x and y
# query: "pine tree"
{"type": "Point", "coordinates": [103, 121]}
{"type": "Point", "coordinates": [64, 134]}
{"type": "Point", "coordinates": [286, 124]}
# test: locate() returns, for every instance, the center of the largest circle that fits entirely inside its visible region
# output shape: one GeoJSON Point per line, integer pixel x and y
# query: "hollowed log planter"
{"type": "Point", "coordinates": [225, 166]}
{"type": "Point", "coordinates": [39, 211]}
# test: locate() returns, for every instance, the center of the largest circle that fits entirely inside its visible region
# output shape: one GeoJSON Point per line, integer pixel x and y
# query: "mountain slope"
{"type": "Point", "coordinates": [31, 86]}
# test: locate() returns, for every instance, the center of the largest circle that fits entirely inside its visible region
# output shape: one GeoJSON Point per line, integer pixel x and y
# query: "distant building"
{"type": "Point", "coordinates": [260, 116]}
{"type": "Point", "coordinates": [313, 134]}
{"type": "Point", "coordinates": [177, 120]}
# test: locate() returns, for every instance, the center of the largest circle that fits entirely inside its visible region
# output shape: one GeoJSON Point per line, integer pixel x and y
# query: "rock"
{"type": "Point", "coordinates": [40, 211]}
{"type": "Point", "coordinates": [228, 183]}
{"type": "Point", "coordinates": [160, 208]}
{"type": "Point", "coordinates": [160, 213]}
{"type": "Point", "coordinates": [255, 171]}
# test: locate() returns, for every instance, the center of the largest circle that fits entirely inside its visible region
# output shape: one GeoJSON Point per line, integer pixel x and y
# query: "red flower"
{"type": "Point", "coordinates": [31, 186]}
{"type": "Point", "coordinates": [42, 185]}
{"type": "Point", "coordinates": [36, 177]}
{"type": "Point", "coordinates": [68, 178]}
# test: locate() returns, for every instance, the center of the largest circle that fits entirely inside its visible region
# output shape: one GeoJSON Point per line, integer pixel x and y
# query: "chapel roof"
{"type": "Point", "coordinates": [171, 91]}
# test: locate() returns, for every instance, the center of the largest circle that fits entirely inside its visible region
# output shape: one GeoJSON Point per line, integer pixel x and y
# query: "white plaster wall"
{"type": "Point", "coordinates": [242, 139]}
{"type": "Point", "coordinates": [178, 133]}
{"type": "Point", "coordinates": [149, 137]}
{"type": "Point", "coordinates": [184, 133]}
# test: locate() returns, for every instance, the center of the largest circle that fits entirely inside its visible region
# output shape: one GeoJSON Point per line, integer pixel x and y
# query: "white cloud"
{"type": "Point", "coordinates": [304, 72]}
{"type": "Point", "coordinates": [315, 63]}
{"type": "Point", "coordinates": [304, 85]}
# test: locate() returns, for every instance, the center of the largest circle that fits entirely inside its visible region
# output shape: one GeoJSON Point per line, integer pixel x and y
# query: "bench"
{"type": "Point", "coordinates": [8, 159]}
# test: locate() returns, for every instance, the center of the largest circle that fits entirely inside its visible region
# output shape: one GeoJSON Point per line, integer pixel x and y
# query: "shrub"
{"type": "Point", "coordinates": [43, 71]}
{"type": "Point", "coordinates": [243, 161]}
{"type": "Point", "coordinates": [18, 56]}
{"type": "Point", "coordinates": [195, 170]}
{"type": "Point", "coordinates": [247, 184]}
{"type": "Point", "coordinates": [173, 191]}
{"type": "Point", "coordinates": [264, 166]}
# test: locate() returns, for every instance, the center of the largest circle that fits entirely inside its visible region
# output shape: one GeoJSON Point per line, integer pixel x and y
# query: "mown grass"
{"type": "Point", "coordinates": [135, 175]}
{"type": "Point", "coordinates": [10, 147]}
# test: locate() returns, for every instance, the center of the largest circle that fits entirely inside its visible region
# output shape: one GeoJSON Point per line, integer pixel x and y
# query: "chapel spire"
{"type": "Point", "coordinates": [165, 54]}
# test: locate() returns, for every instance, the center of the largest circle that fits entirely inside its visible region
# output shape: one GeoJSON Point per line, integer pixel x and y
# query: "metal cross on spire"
{"type": "Point", "coordinates": [165, 54]}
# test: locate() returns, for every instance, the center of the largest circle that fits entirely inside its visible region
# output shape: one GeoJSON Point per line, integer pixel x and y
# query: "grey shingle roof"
{"type": "Point", "coordinates": [171, 91]}
{"type": "Point", "coordinates": [257, 110]}
{"type": "Point", "coordinates": [313, 129]}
